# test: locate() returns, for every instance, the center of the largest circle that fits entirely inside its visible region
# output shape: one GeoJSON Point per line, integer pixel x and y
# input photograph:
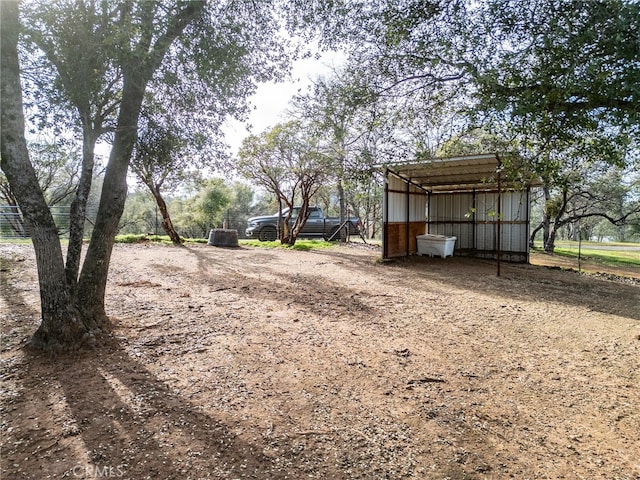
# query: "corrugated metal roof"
{"type": "Point", "coordinates": [479, 172]}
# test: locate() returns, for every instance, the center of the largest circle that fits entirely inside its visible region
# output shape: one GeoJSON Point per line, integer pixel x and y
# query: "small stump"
{"type": "Point", "coordinates": [223, 237]}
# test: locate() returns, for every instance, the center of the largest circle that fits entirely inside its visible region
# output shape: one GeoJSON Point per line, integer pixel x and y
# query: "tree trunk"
{"type": "Point", "coordinates": [280, 229]}
{"type": "Point", "coordinates": [167, 224]}
{"type": "Point", "coordinates": [68, 321]}
{"type": "Point", "coordinates": [93, 278]}
{"type": "Point", "coordinates": [60, 326]}
{"type": "Point", "coordinates": [550, 243]}
{"type": "Point", "coordinates": [372, 217]}
{"type": "Point", "coordinates": [138, 68]}
{"type": "Point", "coordinates": [534, 232]}
{"type": "Point", "coordinates": [343, 207]}
{"type": "Point", "coordinates": [78, 209]}
{"type": "Point", "coordinates": [546, 233]}
{"type": "Point", "coordinates": [546, 219]}
{"type": "Point", "coordinates": [286, 234]}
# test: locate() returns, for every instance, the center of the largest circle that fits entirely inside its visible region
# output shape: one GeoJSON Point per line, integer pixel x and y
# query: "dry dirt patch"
{"type": "Point", "coordinates": [269, 364]}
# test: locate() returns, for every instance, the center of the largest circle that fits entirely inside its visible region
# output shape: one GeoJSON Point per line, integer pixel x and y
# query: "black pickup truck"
{"type": "Point", "coordinates": [264, 228]}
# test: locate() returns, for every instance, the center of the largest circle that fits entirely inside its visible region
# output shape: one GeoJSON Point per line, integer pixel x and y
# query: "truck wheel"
{"type": "Point", "coordinates": [267, 234]}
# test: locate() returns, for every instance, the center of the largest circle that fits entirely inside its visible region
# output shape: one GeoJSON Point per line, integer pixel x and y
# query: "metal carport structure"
{"type": "Point", "coordinates": [469, 197]}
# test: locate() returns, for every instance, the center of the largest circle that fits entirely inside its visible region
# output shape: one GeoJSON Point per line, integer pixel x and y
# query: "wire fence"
{"type": "Point", "coordinates": [14, 225]}
{"type": "Point", "coordinates": [609, 258]}
{"type": "Point", "coordinates": [150, 223]}
{"type": "Point", "coordinates": [147, 222]}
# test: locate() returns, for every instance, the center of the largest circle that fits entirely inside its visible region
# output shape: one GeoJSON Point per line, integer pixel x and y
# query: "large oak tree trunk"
{"type": "Point", "coordinates": [92, 283]}
{"type": "Point", "coordinates": [93, 278]}
{"type": "Point", "coordinates": [138, 68]}
{"type": "Point", "coordinates": [69, 320]}
{"type": "Point", "coordinates": [60, 325]}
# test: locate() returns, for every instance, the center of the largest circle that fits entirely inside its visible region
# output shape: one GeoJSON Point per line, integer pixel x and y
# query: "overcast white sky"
{"type": "Point", "coordinates": [272, 99]}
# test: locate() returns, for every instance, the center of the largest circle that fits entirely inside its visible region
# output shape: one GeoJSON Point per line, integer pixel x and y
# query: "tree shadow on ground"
{"type": "Point", "coordinates": [102, 413]}
{"type": "Point", "coordinates": [516, 281]}
{"type": "Point", "coordinates": [304, 290]}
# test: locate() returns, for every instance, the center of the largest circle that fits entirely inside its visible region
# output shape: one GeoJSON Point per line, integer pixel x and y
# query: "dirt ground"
{"type": "Point", "coordinates": [272, 364]}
